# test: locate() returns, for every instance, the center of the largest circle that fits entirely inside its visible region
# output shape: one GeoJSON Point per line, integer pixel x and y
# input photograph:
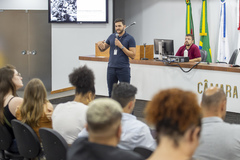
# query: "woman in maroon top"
{"type": "Point", "coordinates": [10, 82]}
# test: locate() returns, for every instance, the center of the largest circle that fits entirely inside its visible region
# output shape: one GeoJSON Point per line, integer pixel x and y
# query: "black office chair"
{"type": "Point", "coordinates": [5, 143]}
{"type": "Point", "coordinates": [145, 152]}
{"type": "Point", "coordinates": [233, 57]}
{"type": "Point", "coordinates": [54, 145]}
{"type": "Point", "coordinates": [203, 55]}
{"type": "Point", "coordinates": [27, 140]}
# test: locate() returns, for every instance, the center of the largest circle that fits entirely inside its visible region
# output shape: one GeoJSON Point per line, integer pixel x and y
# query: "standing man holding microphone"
{"type": "Point", "coordinates": [122, 45]}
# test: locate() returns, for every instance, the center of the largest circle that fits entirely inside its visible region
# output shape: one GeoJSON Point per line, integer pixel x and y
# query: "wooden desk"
{"type": "Point", "coordinates": [150, 76]}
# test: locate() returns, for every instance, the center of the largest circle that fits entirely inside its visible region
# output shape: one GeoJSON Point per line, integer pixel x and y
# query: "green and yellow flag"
{"type": "Point", "coordinates": [204, 36]}
{"type": "Point", "coordinates": [189, 18]}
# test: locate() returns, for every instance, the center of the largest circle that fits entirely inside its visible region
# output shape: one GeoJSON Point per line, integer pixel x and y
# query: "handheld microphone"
{"type": "Point", "coordinates": [130, 25]}
{"type": "Point", "coordinates": [117, 38]}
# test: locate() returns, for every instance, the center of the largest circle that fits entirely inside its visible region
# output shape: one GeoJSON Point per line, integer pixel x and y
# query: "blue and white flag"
{"type": "Point", "coordinates": [223, 48]}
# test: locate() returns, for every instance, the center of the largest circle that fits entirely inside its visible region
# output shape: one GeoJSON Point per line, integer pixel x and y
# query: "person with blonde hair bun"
{"type": "Point", "coordinates": [177, 117]}
{"type": "Point", "coordinates": [36, 110]}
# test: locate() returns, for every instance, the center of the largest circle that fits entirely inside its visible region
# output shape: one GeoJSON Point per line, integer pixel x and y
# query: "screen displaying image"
{"type": "Point", "coordinates": [78, 11]}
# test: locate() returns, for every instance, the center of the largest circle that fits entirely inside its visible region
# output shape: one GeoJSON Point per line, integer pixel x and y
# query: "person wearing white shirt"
{"type": "Point", "coordinates": [70, 118]}
{"type": "Point", "coordinates": [134, 132]}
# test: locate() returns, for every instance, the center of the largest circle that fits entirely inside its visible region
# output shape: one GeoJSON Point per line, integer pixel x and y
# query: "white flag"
{"type": "Point", "coordinates": [223, 48]}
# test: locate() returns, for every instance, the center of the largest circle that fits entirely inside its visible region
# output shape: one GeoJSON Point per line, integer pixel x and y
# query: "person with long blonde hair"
{"type": "Point", "coordinates": [36, 110]}
{"type": "Point", "coordinates": [10, 82]}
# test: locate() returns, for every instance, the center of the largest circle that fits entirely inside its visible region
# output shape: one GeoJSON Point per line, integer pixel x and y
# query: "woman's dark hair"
{"type": "Point", "coordinates": [83, 79]}
{"type": "Point", "coordinates": [6, 85]}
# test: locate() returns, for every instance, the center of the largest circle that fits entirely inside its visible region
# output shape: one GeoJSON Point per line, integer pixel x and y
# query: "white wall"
{"type": "Point", "coordinates": [155, 19]}
{"type": "Point", "coordinates": [24, 4]}
{"type": "Point", "coordinates": [166, 19]}
{"type": "Point", "coordinates": [69, 41]}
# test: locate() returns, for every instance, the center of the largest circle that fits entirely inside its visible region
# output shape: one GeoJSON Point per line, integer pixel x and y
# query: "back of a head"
{"type": "Point", "coordinates": [212, 97]}
{"type": "Point", "coordinates": [35, 96]}
{"type": "Point", "coordinates": [123, 93]}
{"type": "Point", "coordinates": [103, 116]}
{"type": "Point", "coordinates": [35, 91]}
{"type": "Point", "coordinates": [173, 112]}
{"type": "Point", "coordinates": [83, 79]}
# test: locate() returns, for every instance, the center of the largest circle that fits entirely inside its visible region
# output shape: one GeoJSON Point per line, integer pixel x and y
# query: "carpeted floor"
{"type": "Point", "coordinates": [140, 105]}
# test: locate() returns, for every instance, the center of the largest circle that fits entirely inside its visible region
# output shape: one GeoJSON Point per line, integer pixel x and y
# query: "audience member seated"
{"type": "Point", "coordinates": [134, 132]}
{"type": "Point", "coordinates": [177, 118]}
{"type": "Point", "coordinates": [219, 140]}
{"type": "Point", "coordinates": [104, 128]}
{"type": "Point", "coordinates": [70, 118]}
{"type": "Point", "coordinates": [36, 110]}
{"type": "Point", "coordinates": [10, 81]}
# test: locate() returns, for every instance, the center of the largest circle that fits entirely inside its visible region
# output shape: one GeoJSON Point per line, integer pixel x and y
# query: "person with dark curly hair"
{"type": "Point", "coordinates": [70, 118]}
{"type": "Point", "coordinates": [177, 117]}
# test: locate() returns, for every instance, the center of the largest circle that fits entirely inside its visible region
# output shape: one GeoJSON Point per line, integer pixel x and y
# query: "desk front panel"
{"type": "Point", "coordinates": [149, 79]}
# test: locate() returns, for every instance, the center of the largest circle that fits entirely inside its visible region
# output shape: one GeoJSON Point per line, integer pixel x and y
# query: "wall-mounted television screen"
{"type": "Point", "coordinates": [78, 11]}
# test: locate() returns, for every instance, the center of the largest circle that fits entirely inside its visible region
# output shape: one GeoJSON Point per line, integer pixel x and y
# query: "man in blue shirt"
{"type": "Point", "coordinates": [122, 46]}
{"type": "Point", "coordinates": [134, 132]}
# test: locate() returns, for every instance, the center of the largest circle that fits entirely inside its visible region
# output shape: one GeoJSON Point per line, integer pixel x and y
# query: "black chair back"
{"type": "Point", "coordinates": [203, 55]}
{"type": "Point", "coordinates": [234, 57]}
{"type": "Point", "coordinates": [146, 153]}
{"type": "Point", "coordinates": [5, 138]}
{"type": "Point", "coordinates": [27, 140]}
{"type": "Point", "coordinates": [5, 143]}
{"type": "Point", "coordinates": [54, 145]}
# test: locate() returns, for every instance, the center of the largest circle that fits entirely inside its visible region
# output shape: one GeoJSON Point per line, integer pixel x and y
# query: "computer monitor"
{"type": "Point", "coordinates": [164, 46]}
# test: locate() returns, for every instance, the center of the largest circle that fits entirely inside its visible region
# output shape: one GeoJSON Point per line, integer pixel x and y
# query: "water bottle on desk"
{"type": "Point", "coordinates": [160, 50]}
{"type": "Point", "coordinates": [185, 53]}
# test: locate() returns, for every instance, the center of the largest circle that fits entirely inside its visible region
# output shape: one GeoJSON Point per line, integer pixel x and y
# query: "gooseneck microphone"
{"type": "Point", "coordinates": [130, 25]}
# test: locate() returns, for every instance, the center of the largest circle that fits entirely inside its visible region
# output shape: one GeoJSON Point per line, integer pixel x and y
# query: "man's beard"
{"type": "Point", "coordinates": [121, 31]}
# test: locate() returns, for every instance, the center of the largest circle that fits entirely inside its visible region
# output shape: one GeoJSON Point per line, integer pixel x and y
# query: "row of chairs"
{"type": "Point", "coordinates": [231, 61]}
{"type": "Point", "coordinates": [54, 145]}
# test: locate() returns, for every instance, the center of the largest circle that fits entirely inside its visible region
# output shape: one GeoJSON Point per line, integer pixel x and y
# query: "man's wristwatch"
{"type": "Point", "coordinates": [122, 47]}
